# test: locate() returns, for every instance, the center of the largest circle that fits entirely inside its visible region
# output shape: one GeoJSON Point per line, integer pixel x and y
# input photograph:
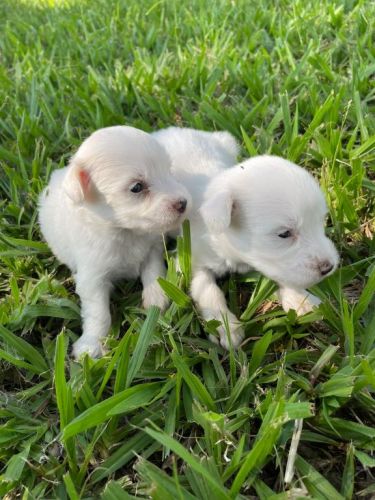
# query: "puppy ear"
{"type": "Point", "coordinates": [217, 212]}
{"type": "Point", "coordinates": [78, 184]}
{"type": "Point", "coordinates": [228, 142]}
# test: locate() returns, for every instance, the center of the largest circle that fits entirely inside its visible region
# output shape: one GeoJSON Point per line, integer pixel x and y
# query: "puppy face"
{"type": "Point", "coordinates": [123, 175]}
{"type": "Point", "coordinates": [271, 215]}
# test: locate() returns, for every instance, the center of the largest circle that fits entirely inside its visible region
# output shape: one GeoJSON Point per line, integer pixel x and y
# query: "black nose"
{"type": "Point", "coordinates": [180, 205]}
{"type": "Point", "coordinates": [325, 267]}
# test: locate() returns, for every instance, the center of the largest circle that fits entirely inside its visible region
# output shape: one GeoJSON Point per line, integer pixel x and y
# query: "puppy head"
{"type": "Point", "coordinates": [270, 214]}
{"type": "Point", "coordinates": [123, 175]}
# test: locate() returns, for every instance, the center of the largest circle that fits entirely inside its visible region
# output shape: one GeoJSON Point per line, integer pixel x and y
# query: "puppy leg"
{"type": "Point", "coordinates": [153, 268]}
{"type": "Point", "coordinates": [300, 300]}
{"type": "Point", "coordinates": [94, 295]}
{"type": "Point", "coordinates": [211, 303]}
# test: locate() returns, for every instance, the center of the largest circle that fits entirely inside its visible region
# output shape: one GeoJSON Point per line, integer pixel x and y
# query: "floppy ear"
{"type": "Point", "coordinates": [78, 184]}
{"type": "Point", "coordinates": [217, 211]}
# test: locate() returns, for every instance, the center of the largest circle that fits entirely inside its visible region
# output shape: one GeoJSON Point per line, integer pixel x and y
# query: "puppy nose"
{"type": "Point", "coordinates": [325, 267]}
{"type": "Point", "coordinates": [180, 205]}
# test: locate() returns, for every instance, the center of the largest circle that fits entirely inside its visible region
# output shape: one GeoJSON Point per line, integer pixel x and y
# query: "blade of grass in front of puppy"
{"type": "Point", "coordinates": [121, 350]}
{"type": "Point", "coordinates": [47, 311]}
{"type": "Point", "coordinates": [23, 243]}
{"type": "Point", "coordinates": [368, 339]}
{"type": "Point", "coordinates": [18, 362]}
{"type": "Point", "coordinates": [348, 328]}
{"type": "Point", "coordinates": [143, 397]}
{"type": "Point", "coordinates": [267, 437]}
{"type": "Point", "coordinates": [197, 388]}
{"type": "Point", "coordinates": [16, 465]}
{"type": "Point", "coordinates": [114, 491]}
{"type": "Point", "coordinates": [264, 492]}
{"type": "Point", "coordinates": [237, 389]}
{"type": "Point", "coordinates": [70, 488]}
{"type": "Point", "coordinates": [259, 351]}
{"type": "Point", "coordinates": [135, 397]}
{"type": "Point", "coordinates": [170, 419]}
{"type": "Point", "coordinates": [24, 349]}
{"type": "Point", "coordinates": [347, 482]}
{"type": "Point", "coordinates": [132, 446]}
{"type": "Point", "coordinates": [366, 297]}
{"type": "Point", "coordinates": [163, 486]}
{"type": "Point", "coordinates": [184, 252]}
{"type": "Point", "coordinates": [194, 463]}
{"type": "Point", "coordinates": [89, 450]}
{"type": "Point", "coordinates": [324, 359]}
{"type": "Point", "coordinates": [64, 398]}
{"type": "Point", "coordinates": [201, 487]}
{"type": "Point", "coordinates": [264, 288]}
{"type": "Point", "coordinates": [63, 394]}
{"type": "Point", "coordinates": [349, 430]}
{"type": "Point", "coordinates": [315, 483]}
{"type": "Point", "coordinates": [174, 293]}
{"type": "Point", "coordinates": [235, 458]}
{"type": "Point", "coordinates": [144, 339]}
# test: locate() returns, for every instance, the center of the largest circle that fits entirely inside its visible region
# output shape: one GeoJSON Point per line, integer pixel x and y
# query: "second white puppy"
{"type": "Point", "coordinates": [265, 213]}
{"type": "Point", "coordinates": [103, 217]}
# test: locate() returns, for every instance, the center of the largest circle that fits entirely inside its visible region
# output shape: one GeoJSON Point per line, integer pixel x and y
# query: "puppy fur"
{"type": "Point", "coordinates": [265, 213]}
{"type": "Point", "coordinates": [103, 216]}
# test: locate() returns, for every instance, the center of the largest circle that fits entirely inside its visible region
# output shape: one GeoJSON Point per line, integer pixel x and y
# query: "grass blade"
{"type": "Point", "coordinates": [144, 339]}
{"type": "Point", "coordinates": [190, 459]}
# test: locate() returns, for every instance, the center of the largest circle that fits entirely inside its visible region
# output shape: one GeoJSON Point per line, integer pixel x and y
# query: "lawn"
{"type": "Point", "coordinates": [166, 414]}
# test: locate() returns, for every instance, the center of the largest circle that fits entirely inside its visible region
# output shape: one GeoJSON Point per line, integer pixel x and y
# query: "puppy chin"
{"type": "Point", "coordinates": [169, 220]}
{"type": "Point", "coordinates": [302, 282]}
{"type": "Point", "coordinates": [287, 277]}
{"type": "Point", "coordinates": [170, 224]}
{"type": "Point", "coordinates": [155, 226]}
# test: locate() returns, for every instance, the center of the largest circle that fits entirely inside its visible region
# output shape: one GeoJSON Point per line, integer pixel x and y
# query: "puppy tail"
{"type": "Point", "coordinates": [228, 143]}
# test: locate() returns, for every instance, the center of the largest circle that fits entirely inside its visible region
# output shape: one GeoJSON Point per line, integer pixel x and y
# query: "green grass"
{"type": "Point", "coordinates": [166, 414]}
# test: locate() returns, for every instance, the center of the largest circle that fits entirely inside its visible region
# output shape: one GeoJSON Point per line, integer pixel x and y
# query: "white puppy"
{"type": "Point", "coordinates": [103, 216]}
{"type": "Point", "coordinates": [265, 213]}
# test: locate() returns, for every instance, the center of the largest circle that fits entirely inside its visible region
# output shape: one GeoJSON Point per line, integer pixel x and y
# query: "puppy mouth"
{"type": "Point", "coordinates": [168, 224]}
{"type": "Point", "coordinates": [303, 283]}
{"type": "Point", "coordinates": [308, 283]}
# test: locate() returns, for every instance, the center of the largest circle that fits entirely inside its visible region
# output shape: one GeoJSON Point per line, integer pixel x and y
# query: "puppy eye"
{"type": "Point", "coordinates": [137, 188]}
{"type": "Point", "coordinates": [285, 234]}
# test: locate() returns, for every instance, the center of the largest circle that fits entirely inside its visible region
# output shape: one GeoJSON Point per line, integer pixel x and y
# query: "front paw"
{"type": "Point", "coordinates": [302, 302]}
{"type": "Point", "coordinates": [233, 335]}
{"type": "Point", "coordinates": [153, 295]}
{"type": "Point", "coordinates": [88, 345]}
{"type": "Point", "coordinates": [242, 268]}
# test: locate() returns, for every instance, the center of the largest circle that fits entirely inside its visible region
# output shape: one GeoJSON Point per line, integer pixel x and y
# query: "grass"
{"type": "Point", "coordinates": [166, 414]}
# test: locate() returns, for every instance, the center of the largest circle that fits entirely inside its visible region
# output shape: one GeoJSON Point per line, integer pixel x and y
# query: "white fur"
{"type": "Point", "coordinates": [102, 231]}
{"type": "Point", "coordinates": [237, 216]}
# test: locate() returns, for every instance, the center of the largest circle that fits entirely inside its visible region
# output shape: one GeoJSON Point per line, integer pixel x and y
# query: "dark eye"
{"type": "Point", "coordinates": [137, 188]}
{"type": "Point", "coordinates": [285, 234]}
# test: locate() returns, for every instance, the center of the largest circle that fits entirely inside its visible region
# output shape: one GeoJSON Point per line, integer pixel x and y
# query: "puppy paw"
{"type": "Point", "coordinates": [236, 334]}
{"type": "Point", "coordinates": [88, 345]}
{"type": "Point", "coordinates": [242, 268]}
{"type": "Point", "coordinates": [153, 295]}
{"type": "Point", "coordinates": [302, 302]}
